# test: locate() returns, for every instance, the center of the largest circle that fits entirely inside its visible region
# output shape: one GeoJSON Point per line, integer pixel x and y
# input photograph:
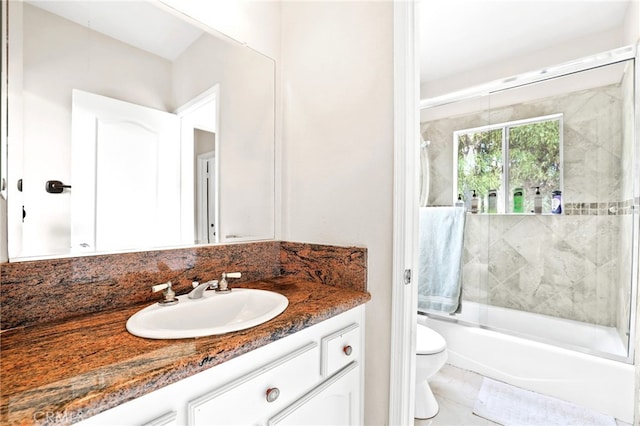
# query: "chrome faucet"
{"type": "Point", "coordinates": [199, 288]}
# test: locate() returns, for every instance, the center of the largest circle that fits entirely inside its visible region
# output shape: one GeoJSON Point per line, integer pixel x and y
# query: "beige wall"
{"type": "Point", "coordinates": [337, 62]}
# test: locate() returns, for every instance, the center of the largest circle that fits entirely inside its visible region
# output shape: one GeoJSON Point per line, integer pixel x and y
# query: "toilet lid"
{"type": "Point", "coordinates": [428, 341]}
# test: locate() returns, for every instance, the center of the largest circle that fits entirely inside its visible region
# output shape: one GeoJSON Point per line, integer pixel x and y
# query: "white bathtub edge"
{"type": "Point", "coordinates": [596, 383]}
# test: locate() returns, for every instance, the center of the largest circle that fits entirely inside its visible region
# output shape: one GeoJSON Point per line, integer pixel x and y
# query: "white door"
{"type": "Point", "coordinates": [125, 165]}
{"type": "Point", "coordinates": [205, 199]}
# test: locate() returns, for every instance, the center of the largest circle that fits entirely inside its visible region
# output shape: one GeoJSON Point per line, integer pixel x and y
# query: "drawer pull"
{"type": "Point", "coordinates": [347, 350]}
{"type": "Point", "coordinates": [272, 394]}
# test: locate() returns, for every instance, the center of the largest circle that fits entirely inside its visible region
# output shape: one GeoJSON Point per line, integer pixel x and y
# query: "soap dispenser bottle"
{"type": "Point", "coordinates": [459, 203]}
{"type": "Point", "coordinates": [537, 201]}
{"type": "Point", "coordinates": [474, 202]}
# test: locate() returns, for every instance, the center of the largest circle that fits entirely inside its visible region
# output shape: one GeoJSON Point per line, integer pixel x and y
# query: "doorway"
{"type": "Point", "coordinates": [200, 168]}
{"type": "Point", "coordinates": [205, 195]}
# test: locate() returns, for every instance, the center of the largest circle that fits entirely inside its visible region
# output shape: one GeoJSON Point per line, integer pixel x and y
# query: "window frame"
{"type": "Point", "coordinates": [503, 208]}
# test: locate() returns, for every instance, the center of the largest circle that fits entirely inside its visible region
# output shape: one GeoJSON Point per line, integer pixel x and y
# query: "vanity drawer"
{"type": "Point", "coordinates": [339, 349]}
{"type": "Point", "coordinates": [260, 392]}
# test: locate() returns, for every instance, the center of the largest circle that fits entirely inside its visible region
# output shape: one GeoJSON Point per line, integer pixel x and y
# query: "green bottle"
{"type": "Point", "coordinates": [518, 200]}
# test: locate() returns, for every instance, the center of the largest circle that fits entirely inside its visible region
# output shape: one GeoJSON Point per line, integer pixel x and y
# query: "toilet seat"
{"type": "Point", "coordinates": [428, 342]}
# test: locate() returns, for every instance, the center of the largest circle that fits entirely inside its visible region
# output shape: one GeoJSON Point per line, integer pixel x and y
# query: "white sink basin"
{"type": "Point", "coordinates": [214, 313]}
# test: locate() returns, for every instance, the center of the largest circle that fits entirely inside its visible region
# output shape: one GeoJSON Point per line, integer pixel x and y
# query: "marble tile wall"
{"type": "Point", "coordinates": [563, 266]}
{"type": "Point", "coordinates": [58, 289]}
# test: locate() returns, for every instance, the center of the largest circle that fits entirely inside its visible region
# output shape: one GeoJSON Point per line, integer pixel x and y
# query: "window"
{"type": "Point", "coordinates": [531, 151]}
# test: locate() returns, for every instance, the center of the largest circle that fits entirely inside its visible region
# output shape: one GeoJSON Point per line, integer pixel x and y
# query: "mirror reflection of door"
{"type": "Point", "coordinates": [125, 175]}
{"type": "Point", "coordinates": [200, 157]}
{"type": "Point", "coordinates": [205, 206]}
{"type": "Point", "coordinates": [129, 166]}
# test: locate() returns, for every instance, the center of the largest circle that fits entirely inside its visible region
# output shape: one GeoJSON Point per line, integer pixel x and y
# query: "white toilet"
{"type": "Point", "coordinates": [431, 354]}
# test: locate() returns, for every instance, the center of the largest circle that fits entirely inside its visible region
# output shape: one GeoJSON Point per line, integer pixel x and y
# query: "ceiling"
{"type": "Point", "coordinates": [160, 33]}
{"type": "Point", "coordinates": [458, 35]}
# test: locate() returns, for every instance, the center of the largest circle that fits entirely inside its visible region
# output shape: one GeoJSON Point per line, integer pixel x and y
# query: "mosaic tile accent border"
{"type": "Point", "coordinates": [611, 208]}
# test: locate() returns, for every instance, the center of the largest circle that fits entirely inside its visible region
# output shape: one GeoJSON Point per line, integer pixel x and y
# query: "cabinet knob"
{"type": "Point", "coordinates": [272, 394]}
{"type": "Point", "coordinates": [347, 350]}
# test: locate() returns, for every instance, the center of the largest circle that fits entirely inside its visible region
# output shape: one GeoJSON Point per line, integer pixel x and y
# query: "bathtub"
{"type": "Point", "coordinates": [601, 384]}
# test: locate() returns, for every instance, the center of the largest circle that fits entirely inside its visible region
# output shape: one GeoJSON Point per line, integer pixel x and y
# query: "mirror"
{"type": "Point", "coordinates": [134, 127]}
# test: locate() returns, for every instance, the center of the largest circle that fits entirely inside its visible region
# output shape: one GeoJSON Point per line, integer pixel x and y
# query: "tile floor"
{"type": "Point", "coordinates": [456, 391]}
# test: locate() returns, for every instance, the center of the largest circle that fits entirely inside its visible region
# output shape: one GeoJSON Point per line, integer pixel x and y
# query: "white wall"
{"type": "Point", "coordinates": [337, 62]}
{"type": "Point", "coordinates": [559, 53]}
{"type": "Point", "coordinates": [335, 124]}
{"type": "Point", "coordinates": [253, 22]}
{"type": "Point", "coordinates": [245, 133]}
{"type": "Point", "coordinates": [632, 23]}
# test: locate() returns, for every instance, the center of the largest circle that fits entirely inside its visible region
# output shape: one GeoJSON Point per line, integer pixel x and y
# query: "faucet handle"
{"type": "Point", "coordinates": [156, 288]}
{"type": "Point", "coordinates": [231, 274]}
{"type": "Point", "coordinates": [223, 285]}
{"type": "Point", "coordinates": [168, 293]}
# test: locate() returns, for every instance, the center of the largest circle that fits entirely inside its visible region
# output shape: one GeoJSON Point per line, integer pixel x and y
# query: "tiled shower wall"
{"type": "Point", "coordinates": [567, 266]}
{"type": "Point", "coordinates": [564, 266]}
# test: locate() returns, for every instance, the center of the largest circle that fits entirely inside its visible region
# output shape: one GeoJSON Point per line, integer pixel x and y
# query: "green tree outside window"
{"type": "Point", "coordinates": [530, 148]}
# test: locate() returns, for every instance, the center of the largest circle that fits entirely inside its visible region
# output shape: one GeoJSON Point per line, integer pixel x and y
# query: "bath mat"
{"type": "Point", "coordinates": [512, 406]}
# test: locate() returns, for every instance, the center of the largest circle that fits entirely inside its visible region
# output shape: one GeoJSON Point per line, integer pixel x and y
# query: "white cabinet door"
{"type": "Point", "coordinates": [336, 401]}
{"type": "Point", "coordinates": [169, 419]}
{"type": "Point", "coordinates": [255, 396]}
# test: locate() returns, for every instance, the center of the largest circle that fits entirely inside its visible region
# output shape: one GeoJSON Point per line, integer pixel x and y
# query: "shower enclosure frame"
{"type": "Point", "coordinates": [583, 64]}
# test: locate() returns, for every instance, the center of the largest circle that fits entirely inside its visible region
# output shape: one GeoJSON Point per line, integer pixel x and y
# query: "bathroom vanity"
{"type": "Point", "coordinates": [311, 376]}
{"type": "Point", "coordinates": [286, 371]}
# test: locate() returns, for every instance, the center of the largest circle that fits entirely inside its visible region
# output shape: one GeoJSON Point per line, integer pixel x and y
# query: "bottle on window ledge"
{"type": "Point", "coordinates": [493, 201]}
{"type": "Point", "coordinates": [537, 201]}
{"type": "Point", "coordinates": [474, 202]}
{"type": "Point", "coordinates": [556, 202]}
{"type": "Point", "coordinates": [518, 200]}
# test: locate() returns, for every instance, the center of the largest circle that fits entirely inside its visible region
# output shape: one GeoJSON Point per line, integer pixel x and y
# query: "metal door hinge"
{"type": "Point", "coordinates": [407, 276]}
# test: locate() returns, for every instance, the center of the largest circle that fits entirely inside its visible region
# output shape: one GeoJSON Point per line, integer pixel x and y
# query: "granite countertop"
{"type": "Point", "coordinates": [63, 372]}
